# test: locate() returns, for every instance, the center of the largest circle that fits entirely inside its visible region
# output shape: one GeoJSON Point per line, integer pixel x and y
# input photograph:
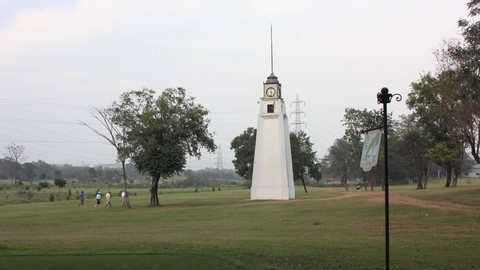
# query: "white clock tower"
{"type": "Point", "coordinates": [272, 168]}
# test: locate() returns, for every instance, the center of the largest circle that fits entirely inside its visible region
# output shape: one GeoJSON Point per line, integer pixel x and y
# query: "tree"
{"type": "Point", "coordinates": [413, 146]}
{"type": "Point", "coordinates": [43, 170]}
{"type": "Point", "coordinates": [60, 183]}
{"type": "Point", "coordinates": [463, 59]}
{"type": "Point", "coordinates": [28, 171]}
{"type": "Point", "coordinates": [304, 160]}
{"type": "Point", "coordinates": [339, 162]}
{"type": "Point", "coordinates": [356, 121]}
{"type": "Point", "coordinates": [16, 154]}
{"type": "Point", "coordinates": [163, 131]}
{"type": "Point", "coordinates": [244, 148]}
{"type": "Point", "coordinates": [434, 110]}
{"type": "Point", "coordinates": [448, 158]}
{"type": "Point", "coordinates": [114, 131]}
{"type": "Point", "coordinates": [446, 102]}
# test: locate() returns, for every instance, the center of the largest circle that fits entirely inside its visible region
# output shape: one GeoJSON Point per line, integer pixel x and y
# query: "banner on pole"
{"type": "Point", "coordinates": [371, 145]}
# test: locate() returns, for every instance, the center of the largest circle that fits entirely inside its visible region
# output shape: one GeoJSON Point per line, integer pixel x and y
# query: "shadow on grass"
{"type": "Point", "coordinates": [142, 261]}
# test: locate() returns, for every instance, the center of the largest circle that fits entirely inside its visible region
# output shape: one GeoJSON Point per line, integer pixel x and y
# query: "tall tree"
{"type": "Point", "coordinates": [16, 154]}
{"type": "Point", "coordinates": [356, 121]}
{"type": "Point", "coordinates": [28, 171]}
{"type": "Point", "coordinates": [43, 170]}
{"type": "Point", "coordinates": [114, 131]}
{"type": "Point", "coordinates": [463, 60]}
{"type": "Point", "coordinates": [435, 111]}
{"type": "Point", "coordinates": [244, 148]}
{"type": "Point", "coordinates": [413, 147]}
{"type": "Point", "coordinates": [163, 132]}
{"type": "Point", "coordinates": [340, 162]}
{"type": "Point", "coordinates": [304, 159]}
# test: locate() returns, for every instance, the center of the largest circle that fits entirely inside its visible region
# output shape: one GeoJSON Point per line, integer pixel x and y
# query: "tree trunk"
{"type": "Point", "coordinates": [303, 182]}
{"type": "Point", "coordinates": [419, 184]}
{"type": "Point", "coordinates": [457, 170]}
{"type": "Point", "coordinates": [383, 184]}
{"type": "Point", "coordinates": [365, 184]}
{"type": "Point", "coordinates": [344, 183]}
{"type": "Point", "coordinates": [449, 177]}
{"type": "Point", "coordinates": [420, 172]}
{"type": "Point", "coordinates": [124, 173]}
{"type": "Point", "coordinates": [426, 173]}
{"type": "Point", "coordinates": [373, 180]}
{"type": "Point", "coordinates": [154, 191]}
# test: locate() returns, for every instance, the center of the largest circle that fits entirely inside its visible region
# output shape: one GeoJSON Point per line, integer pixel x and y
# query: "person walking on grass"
{"type": "Point", "coordinates": [124, 198]}
{"type": "Point", "coordinates": [82, 199]}
{"type": "Point", "coordinates": [107, 200]}
{"type": "Point", "coordinates": [98, 198]}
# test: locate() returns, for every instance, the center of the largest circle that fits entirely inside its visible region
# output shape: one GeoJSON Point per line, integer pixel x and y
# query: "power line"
{"type": "Point", "coordinates": [41, 104]}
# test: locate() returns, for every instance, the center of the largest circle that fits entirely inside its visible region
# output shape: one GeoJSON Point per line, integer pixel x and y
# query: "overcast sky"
{"type": "Point", "coordinates": [60, 58]}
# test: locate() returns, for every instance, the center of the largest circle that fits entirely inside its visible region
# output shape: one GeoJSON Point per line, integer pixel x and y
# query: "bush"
{"type": "Point", "coordinates": [43, 185]}
{"type": "Point", "coordinates": [60, 182]}
{"type": "Point", "coordinates": [51, 197]}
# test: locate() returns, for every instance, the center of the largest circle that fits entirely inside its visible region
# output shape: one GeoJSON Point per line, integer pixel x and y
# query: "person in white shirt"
{"type": "Point", "coordinates": [124, 203]}
{"type": "Point", "coordinates": [98, 198]}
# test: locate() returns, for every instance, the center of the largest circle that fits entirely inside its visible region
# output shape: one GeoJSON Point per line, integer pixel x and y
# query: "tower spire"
{"type": "Point", "coordinates": [271, 48]}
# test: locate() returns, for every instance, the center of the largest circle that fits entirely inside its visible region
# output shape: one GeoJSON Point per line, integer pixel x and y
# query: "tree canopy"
{"type": "Point", "coordinates": [163, 131]}
{"type": "Point", "coordinates": [244, 147]}
{"type": "Point", "coordinates": [446, 102]}
{"type": "Point", "coordinates": [304, 159]}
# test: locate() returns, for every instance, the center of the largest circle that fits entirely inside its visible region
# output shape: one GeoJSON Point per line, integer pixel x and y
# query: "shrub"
{"type": "Point", "coordinates": [51, 197]}
{"type": "Point", "coordinates": [43, 185]}
{"type": "Point", "coordinates": [60, 182]}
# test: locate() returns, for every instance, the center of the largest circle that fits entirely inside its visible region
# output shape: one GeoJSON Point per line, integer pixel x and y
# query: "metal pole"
{"type": "Point", "coordinates": [387, 222]}
{"type": "Point", "coordinates": [384, 97]}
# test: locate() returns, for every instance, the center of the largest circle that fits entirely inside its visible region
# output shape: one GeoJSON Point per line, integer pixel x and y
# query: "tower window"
{"type": "Point", "coordinates": [270, 108]}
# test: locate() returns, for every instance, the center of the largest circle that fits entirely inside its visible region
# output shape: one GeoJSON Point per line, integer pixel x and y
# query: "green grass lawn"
{"type": "Point", "coordinates": [327, 228]}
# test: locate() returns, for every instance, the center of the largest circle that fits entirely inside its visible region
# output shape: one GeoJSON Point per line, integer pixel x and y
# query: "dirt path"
{"type": "Point", "coordinates": [402, 198]}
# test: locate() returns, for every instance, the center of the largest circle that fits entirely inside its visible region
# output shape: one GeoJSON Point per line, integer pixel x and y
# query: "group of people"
{"type": "Point", "coordinates": [108, 195]}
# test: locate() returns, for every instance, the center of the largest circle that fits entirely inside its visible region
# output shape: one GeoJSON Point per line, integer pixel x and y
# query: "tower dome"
{"type": "Point", "coordinates": [272, 79]}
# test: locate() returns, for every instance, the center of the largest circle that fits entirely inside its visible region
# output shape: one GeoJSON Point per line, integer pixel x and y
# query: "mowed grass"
{"type": "Point", "coordinates": [327, 228]}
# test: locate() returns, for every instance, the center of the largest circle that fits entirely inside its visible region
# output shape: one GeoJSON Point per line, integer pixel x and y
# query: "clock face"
{"type": "Point", "coordinates": [270, 92]}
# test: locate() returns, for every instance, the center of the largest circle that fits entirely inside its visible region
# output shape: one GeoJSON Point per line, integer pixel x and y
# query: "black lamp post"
{"type": "Point", "coordinates": [384, 97]}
